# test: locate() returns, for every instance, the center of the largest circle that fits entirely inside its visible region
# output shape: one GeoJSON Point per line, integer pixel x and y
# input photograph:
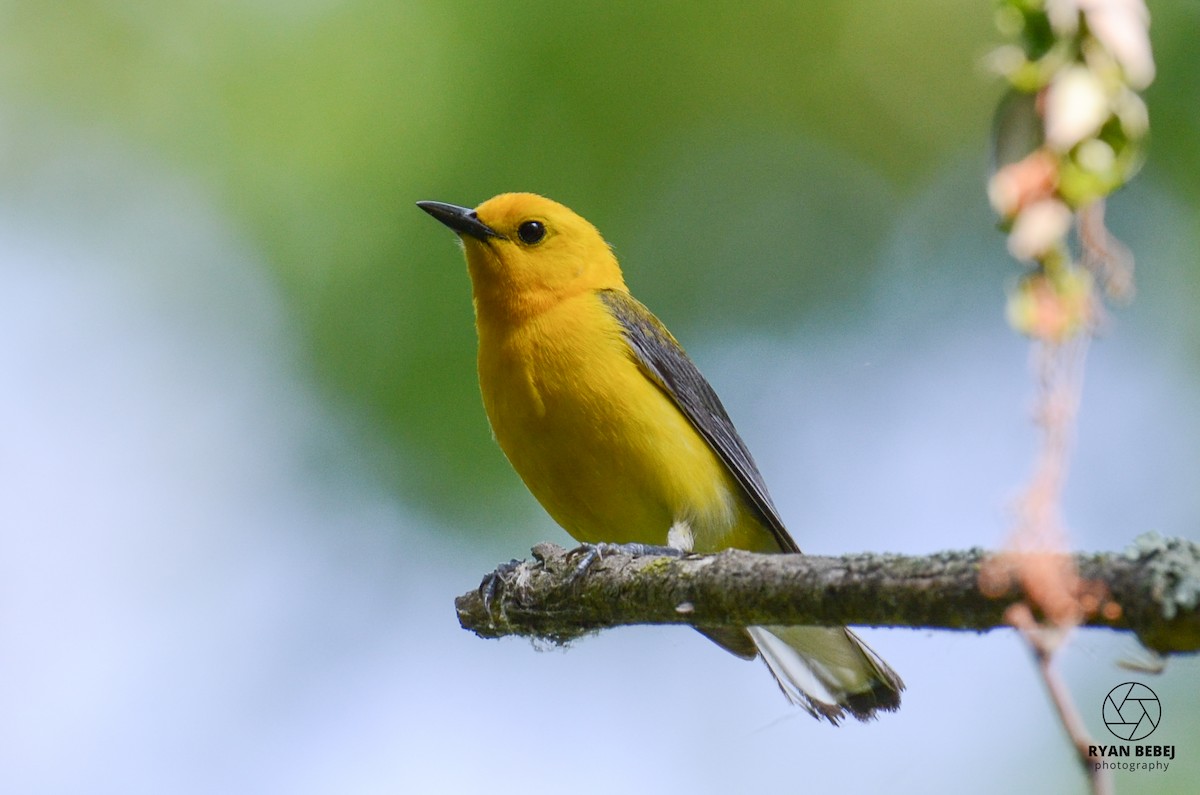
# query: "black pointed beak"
{"type": "Point", "coordinates": [461, 219]}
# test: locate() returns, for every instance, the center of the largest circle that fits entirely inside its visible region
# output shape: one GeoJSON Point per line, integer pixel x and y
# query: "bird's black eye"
{"type": "Point", "coordinates": [531, 232]}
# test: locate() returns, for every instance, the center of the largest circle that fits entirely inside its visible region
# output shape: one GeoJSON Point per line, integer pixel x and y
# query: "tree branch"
{"type": "Point", "coordinates": [1155, 586]}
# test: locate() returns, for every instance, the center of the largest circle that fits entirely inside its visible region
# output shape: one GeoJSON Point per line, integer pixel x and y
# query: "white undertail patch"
{"type": "Point", "coordinates": [680, 536]}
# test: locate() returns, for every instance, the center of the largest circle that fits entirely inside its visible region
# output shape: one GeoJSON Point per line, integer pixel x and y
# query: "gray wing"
{"type": "Point", "coordinates": [666, 363]}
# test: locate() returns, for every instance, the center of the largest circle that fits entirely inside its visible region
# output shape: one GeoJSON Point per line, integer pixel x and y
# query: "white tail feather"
{"type": "Point", "coordinates": [822, 669]}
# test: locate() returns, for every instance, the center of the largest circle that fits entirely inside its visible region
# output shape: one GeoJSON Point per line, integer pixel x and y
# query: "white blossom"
{"type": "Point", "coordinates": [1039, 228]}
{"type": "Point", "coordinates": [1123, 27]}
{"type": "Point", "coordinates": [1076, 107]}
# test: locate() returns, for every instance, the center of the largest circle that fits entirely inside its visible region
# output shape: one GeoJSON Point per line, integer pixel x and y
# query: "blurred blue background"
{"type": "Point", "coordinates": [245, 465]}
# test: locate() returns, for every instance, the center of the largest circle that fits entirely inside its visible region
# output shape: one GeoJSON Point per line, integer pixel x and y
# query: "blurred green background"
{"type": "Point", "coordinates": [218, 197]}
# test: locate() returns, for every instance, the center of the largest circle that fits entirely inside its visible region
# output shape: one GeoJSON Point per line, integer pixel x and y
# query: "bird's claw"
{"type": "Point", "coordinates": [591, 554]}
{"type": "Point", "coordinates": [494, 581]}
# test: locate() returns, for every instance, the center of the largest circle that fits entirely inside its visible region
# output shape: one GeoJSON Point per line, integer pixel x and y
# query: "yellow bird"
{"type": "Point", "coordinates": [620, 437]}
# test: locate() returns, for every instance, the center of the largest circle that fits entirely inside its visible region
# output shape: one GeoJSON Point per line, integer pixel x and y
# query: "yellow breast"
{"type": "Point", "coordinates": [603, 449]}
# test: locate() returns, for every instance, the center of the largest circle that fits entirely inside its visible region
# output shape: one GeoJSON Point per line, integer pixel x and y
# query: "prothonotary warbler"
{"type": "Point", "coordinates": [620, 437]}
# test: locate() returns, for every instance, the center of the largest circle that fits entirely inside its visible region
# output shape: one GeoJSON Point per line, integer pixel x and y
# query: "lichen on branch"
{"type": "Point", "coordinates": [1156, 585]}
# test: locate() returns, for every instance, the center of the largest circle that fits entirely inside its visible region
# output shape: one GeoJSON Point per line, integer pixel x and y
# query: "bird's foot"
{"type": "Point", "coordinates": [591, 554]}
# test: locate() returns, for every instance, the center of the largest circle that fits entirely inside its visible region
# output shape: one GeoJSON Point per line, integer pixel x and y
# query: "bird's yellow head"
{"type": "Point", "coordinates": [526, 252]}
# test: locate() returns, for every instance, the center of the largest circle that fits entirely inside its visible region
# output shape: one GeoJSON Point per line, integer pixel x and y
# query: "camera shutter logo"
{"type": "Point", "coordinates": [1132, 711]}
